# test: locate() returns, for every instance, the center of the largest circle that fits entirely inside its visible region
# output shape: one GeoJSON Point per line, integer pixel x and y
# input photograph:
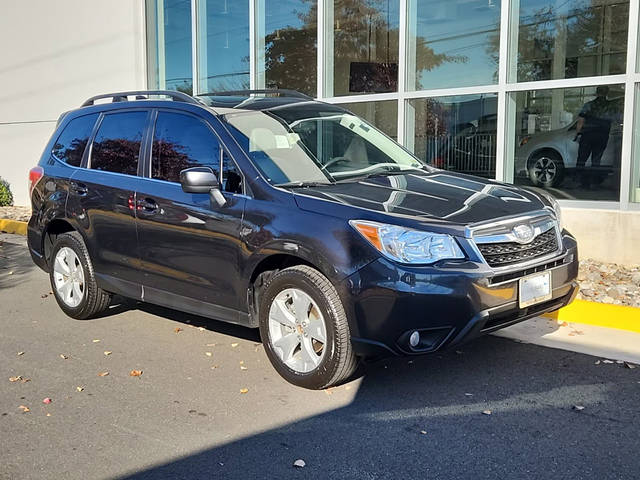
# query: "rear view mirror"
{"type": "Point", "coordinates": [198, 180]}
{"type": "Point", "coordinates": [202, 180]}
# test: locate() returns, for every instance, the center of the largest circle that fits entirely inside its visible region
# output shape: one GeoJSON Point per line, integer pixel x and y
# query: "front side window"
{"type": "Point", "coordinates": [182, 141]}
{"type": "Point", "coordinates": [320, 144]}
{"type": "Point", "coordinates": [71, 143]}
{"type": "Point", "coordinates": [116, 147]}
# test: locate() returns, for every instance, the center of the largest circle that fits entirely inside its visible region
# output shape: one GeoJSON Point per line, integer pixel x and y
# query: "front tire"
{"type": "Point", "coordinates": [304, 329]}
{"type": "Point", "coordinates": [72, 279]}
{"type": "Point", "coordinates": [546, 169]}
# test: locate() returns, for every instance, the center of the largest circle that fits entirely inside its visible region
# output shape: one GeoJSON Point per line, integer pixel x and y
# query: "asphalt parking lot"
{"type": "Point", "coordinates": [184, 416]}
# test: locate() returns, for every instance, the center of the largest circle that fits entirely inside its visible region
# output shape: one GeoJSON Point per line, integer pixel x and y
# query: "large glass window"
{"type": "Point", "coordinates": [182, 141]}
{"type": "Point", "coordinates": [383, 115]}
{"type": "Point", "coordinates": [452, 43]}
{"type": "Point", "coordinates": [116, 147]}
{"type": "Point", "coordinates": [169, 44]}
{"type": "Point", "coordinates": [70, 145]}
{"type": "Point", "coordinates": [365, 46]}
{"type": "Point", "coordinates": [569, 141]}
{"type": "Point", "coordinates": [635, 175]}
{"type": "Point", "coordinates": [223, 45]}
{"type": "Point", "coordinates": [289, 44]}
{"type": "Point", "coordinates": [455, 133]}
{"type": "Point", "coordinates": [570, 38]}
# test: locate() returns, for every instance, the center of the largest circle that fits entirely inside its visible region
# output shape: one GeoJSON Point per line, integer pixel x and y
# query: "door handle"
{"type": "Point", "coordinates": [79, 188]}
{"type": "Point", "coordinates": [148, 206]}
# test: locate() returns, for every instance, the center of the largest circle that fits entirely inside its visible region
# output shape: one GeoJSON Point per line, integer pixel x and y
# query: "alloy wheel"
{"type": "Point", "coordinates": [297, 330]}
{"type": "Point", "coordinates": [68, 277]}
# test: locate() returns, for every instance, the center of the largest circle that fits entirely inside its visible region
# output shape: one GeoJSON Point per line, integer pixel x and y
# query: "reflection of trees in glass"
{"type": "Point", "coordinates": [116, 155]}
{"type": "Point", "coordinates": [592, 30]}
{"type": "Point", "coordinates": [73, 153]}
{"type": "Point", "coordinates": [290, 60]}
{"type": "Point", "coordinates": [169, 159]}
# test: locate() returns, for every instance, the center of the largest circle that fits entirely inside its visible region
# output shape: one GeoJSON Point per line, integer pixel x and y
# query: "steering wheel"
{"type": "Point", "coordinates": [334, 161]}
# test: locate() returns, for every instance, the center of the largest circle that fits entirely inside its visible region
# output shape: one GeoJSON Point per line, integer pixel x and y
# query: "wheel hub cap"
{"type": "Point", "coordinates": [68, 277]}
{"type": "Point", "coordinates": [297, 330]}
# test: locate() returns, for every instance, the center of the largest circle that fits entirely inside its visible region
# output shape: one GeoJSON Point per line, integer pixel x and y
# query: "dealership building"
{"type": "Point", "coordinates": [538, 93]}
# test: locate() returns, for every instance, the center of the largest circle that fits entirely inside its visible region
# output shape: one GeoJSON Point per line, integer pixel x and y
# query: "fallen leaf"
{"type": "Point", "coordinates": [201, 329]}
{"type": "Point", "coordinates": [208, 354]}
{"type": "Point", "coordinates": [243, 367]}
{"type": "Point", "coordinates": [607, 361]}
{"type": "Point", "coordinates": [564, 324]}
{"type": "Point", "coordinates": [213, 367]}
{"type": "Point", "coordinates": [630, 365]}
{"type": "Point", "coordinates": [107, 352]}
{"type": "Point", "coordinates": [210, 345]}
{"type": "Point", "coordinates": [20, 353]}
{"type": "Point", "coordinates": [11, 272]}
{"type": "Point", "coordinates": [423, 432]}
{"type": "Point", "coordinates": [48, 414]}
{"type": "Point", "coordinates": [24, 408]}
{"type": "Point", "coordinates": [63, 356]}
{"type": "Point", "coordinates": [46, 401]}
{"type": "Point", "coordinates": [486, 412]}
{"type": "Point", "coordinates": [234, 345]}
{"type": "Point", "coordinates": [96, 341]}
{"type": "Point", "coordinates": [44, 295]}
{"type": "Point", "coordinates": [103, 374]}
{"type": "Point", "coordinates": [15, 379]}
{"type": "Point", "coordinates": [299, 463]}
{"type": "Point", "coordinates": [177, 329]}
{"type": "Point", "coordinates": [329, 391]}
{"type": "Point", "coordinates": [578, 407]}
{"type": "Point", "coordinates": [244, 390]}
{"type": "Point", "coordinates": [135, 373]}
{"type": "Point", "coordinates": [597, 362]}
{"type": "Point", "coordinates": [79, 389]}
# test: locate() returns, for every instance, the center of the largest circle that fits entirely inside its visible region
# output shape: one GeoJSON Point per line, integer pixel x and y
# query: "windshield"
{"type": "Point", "coordinates": [301, 144]}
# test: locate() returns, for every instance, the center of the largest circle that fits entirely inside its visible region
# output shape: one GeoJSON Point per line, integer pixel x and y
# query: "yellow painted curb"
{"type": "Point", "coordinates": [600, 314]}
{"type": "Point", "coordinates": [13, 226]}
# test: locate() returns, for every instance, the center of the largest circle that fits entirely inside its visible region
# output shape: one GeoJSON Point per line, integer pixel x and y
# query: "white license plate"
{"type": "Point", "coordinates": [534, 289]}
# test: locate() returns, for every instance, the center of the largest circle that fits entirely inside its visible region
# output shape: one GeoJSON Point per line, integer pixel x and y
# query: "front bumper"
{"type": "Point", "coordinates": [448, 304]}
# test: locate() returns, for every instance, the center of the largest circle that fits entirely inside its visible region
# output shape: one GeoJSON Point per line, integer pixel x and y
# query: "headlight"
{"type": "Point", "coordinates": [406, 245]}
{"type": "Point", "coordinates": [553, 203]}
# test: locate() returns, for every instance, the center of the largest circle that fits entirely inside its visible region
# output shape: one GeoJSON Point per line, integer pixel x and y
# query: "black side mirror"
{"type": "Point", "coordinates": [202, 180]}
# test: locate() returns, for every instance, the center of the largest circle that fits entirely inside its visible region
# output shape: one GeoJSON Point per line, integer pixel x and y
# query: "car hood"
{"type": "Point", "coordinates": [440, 195]}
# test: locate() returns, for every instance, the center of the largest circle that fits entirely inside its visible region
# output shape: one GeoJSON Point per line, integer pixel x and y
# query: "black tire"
{"type": "Point", "coordinates": [338, 362]}
{"type": "Point", "coordinates": [546, 169]}
{"type": "Point", "coordinates": [94, 299]}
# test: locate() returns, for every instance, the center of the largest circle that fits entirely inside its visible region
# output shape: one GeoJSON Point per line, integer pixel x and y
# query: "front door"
{"type": "Point", "coordinates": [189, 245]}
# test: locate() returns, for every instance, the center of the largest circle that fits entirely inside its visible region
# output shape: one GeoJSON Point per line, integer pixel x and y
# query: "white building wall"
{"type": "Point", "coordinates": [55, 55]}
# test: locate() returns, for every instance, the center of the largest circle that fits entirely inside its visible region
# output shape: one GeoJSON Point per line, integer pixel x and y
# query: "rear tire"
{"type": "Point", "coordinates": [72, 278]}
{"type": "Point", "coordinates": [309, 347]}
{"type": "Point", "coordinates": [546, 169]}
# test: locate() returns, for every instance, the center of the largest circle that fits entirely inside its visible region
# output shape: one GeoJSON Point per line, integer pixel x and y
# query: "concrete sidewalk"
{"type": "Point", "coordinates": [602, 342]}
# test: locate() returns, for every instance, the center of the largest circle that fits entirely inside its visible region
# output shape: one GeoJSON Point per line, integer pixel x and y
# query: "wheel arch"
{"type": "Point", "coordinates": [54, 228]}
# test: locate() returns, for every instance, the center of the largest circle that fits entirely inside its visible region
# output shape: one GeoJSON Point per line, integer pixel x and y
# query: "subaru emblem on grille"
{"type": "Point", "coordinates": [524, 233]}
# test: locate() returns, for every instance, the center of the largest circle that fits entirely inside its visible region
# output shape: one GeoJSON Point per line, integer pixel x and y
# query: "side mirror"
{"type": "Point", "coordinates": [202, 180]}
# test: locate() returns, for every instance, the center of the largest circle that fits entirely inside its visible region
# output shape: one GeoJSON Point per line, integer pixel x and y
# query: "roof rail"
{"type": "Point", "coordinates": [142, 95]}
{"type": "Point", "coordinates": [268, 91]}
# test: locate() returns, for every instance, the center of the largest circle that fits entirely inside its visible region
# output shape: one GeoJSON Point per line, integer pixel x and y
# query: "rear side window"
{"type": "Point", "coordinates": [182, 141]}
{"type": "Point", "coordinates": [116, 147]}
{"type": "Point", "coordinates": [71, 143]}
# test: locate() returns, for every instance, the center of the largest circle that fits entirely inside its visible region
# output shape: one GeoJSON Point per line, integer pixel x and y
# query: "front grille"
{"type": "Point", "coordinates": [508, 253]}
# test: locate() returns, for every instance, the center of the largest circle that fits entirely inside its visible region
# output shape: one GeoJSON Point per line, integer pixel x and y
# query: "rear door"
{"type": "Point", "coordinates": [189, 245]}
{"type": "Point", "coordinates": [102, 195]}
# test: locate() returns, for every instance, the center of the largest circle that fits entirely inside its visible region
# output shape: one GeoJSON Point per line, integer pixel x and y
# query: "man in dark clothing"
{"type": "Point", "coordinates": [592, 131]}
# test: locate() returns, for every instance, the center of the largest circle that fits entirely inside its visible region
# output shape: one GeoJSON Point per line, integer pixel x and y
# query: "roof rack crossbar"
{"type": "Point", "coordinates": [283, 91]}
{"type": "Point", "coordinates": [142, 94]}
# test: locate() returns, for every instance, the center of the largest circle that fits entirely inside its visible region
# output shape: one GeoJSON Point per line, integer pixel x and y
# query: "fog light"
{"type": "Point", "coordinates": [414, 339]}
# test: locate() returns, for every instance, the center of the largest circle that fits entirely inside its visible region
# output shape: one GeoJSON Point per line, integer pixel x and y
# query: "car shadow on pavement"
{"type": "Point", "coordinates": [14, 264]}
{"type": "Point", "coordinates": [496, 409]}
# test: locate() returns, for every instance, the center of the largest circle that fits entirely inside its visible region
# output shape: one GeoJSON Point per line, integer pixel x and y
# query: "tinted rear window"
{"type": "Point", "coordinates": [116, 147]}
{"type": "Point", "coordinates": [71, 143]}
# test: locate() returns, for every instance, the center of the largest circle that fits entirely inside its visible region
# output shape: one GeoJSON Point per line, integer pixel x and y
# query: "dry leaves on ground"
{"type": "Point", "coordinates": [103, 374]}
{"type": "Point", "coordinates": [135, 373]}
{"type": "Point", "coordinates": [177, 330]}
{"type": "Point", "coordinates": [107, 352]}
{"type": "Point", "coordinates": [24, 408]}
{"type": "Point", "coordinates": [244, 390]}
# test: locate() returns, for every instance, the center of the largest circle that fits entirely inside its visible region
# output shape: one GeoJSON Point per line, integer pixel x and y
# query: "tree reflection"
{"type": "Point", "coordinates": [118, 155]}
{"type": "Point", "coordinates": [73, 153]}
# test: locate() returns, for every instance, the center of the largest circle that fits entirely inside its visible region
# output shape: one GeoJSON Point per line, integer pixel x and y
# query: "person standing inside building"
{"type": "Point", "coordinates": [592, 131]}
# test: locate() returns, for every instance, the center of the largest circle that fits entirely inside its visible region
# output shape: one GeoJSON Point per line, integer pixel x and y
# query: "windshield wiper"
{"type": "Point", "coordinates": [386, 173]}
{"type": "Point", "coordinates": [302, 184]}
